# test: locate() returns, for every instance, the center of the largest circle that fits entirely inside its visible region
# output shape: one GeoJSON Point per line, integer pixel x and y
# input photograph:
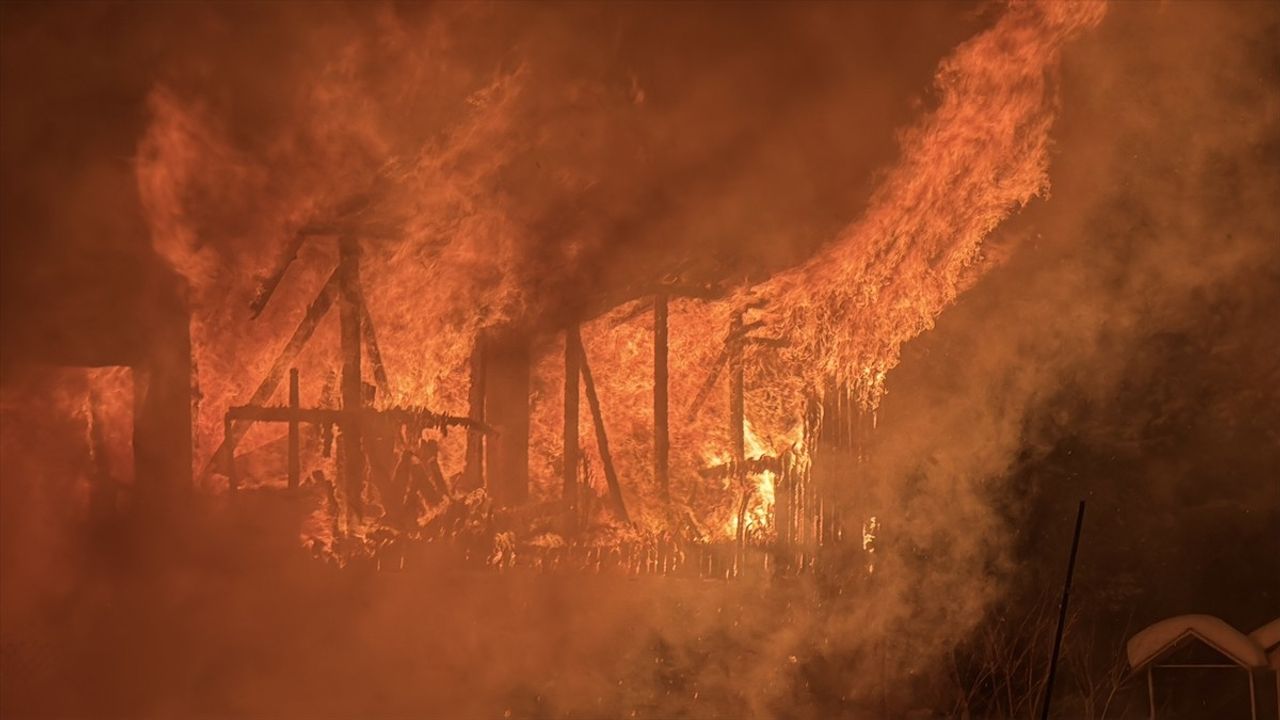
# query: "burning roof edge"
{"type": "Point", "coordinates": [1149, 644]}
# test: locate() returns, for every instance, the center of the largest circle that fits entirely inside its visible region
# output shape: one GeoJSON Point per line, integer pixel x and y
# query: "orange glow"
{"type": "Point", "coordinates": [447, 254]}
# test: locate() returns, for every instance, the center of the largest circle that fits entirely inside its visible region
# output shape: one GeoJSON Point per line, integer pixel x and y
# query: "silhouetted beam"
{"type": "Point", "coordinates": [737, 421]}
{"type": "Point", "coordinates": [737, 400]}
{"type": "Point", "coordinates": [602, 440]}
{"type": "Point", "coordinates": [709, 384]}
{"type": "Point", "coordinates": [295, 462]}
{"type": "Point", "coordinates": [733, 342]}
{"type": "Point", "coordinates": [349, 305]}
{"type": "Point", "coordinates": [230, 451]}
{"type": "Point", "coordinates": [508, 364]}
{"type": "Point", "coordinates": [271, 282]}
{"type": "Point", "coordinates": [375, 352]}
{"type": "Point", "coordinates": [661, 432]}
{"type": "Point", "coordinates": [473, 473]}
{"type": "Point", "coordinates": [571, 400]}
{"type": "Point", "coordinates": [315, 312]}
{"type": "Point", "coordinates": [330, 416]}
{"type": "Point", "coordinates": [102, 491]}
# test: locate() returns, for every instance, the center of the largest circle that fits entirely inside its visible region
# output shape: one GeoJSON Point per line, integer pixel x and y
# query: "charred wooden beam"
{"type": "Point", "coordinates": [737, 399]}
{"type": "Point", "coordinates": [315, 312]}
{"type": "Point", "coordinates": [737, 422]}
{"type": "Point", "coordinates": [295, 449]}
{"type": "Point", "coordinates": [675, 287]}
{"type": "Point", "coordinates": [709, 384]}
{"type": "Point", "coordinates": [602, 439]}
{"type": "Point", "coordinates": [102, 491]}
{"type": "Point", "coordinates": [642, 306]}
{"type": "Point", "coordinates": [162, 412]}
{"type": "Point", "coordinates": [571, 401]}
{"type": "Point", "coordinates": [507, 369]}
{"type": "Point", "coordinates": [233, 482]}
{"type": "Point", "coordinates": [740, 468]}
{"type": "Point", "coordinates": [349, 305]}
{"type": "Point", "coordinates": [371, 347]}
{"type": "Point", "coordinates": [661, 431]}
{"type": "Point", "coordinates": [268, 285]}
{"type": "Point", "coordinates": [473, 473]}
{"type": "Point", "coordinates": [331, 416]}
{"type": "Point", "coordinates": [733, 343]}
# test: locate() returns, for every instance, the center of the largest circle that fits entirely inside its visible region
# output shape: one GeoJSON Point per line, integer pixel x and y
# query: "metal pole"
{"type": "Point", "coordinates": [1062, 614]}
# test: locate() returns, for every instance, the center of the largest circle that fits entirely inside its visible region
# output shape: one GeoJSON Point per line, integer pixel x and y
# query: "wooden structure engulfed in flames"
{"type": "Point", "coordinates": [383, 458]}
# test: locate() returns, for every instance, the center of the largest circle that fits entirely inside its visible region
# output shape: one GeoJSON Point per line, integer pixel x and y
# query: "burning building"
{"type": "Point", "coordinates": [491, 313]}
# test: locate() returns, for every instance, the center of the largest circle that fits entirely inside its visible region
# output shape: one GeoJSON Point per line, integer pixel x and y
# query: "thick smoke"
{"type": "Point", "coordinates": [510, 165]}
{"type": "Point", "coordinates": [1128, 317]}
{"type": "Point", "coordinates": [761, 128]}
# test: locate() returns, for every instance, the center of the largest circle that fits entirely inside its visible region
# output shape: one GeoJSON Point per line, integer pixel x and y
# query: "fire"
{"type": "Point", "coordinates": [449, 250]}
{"type": "Point", "coordinates": [759, 514]}
{"type": "Point", "coordinates": [90, 410]}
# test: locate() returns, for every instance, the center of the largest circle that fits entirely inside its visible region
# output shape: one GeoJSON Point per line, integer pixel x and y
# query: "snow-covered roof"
{"type": "Point", "coordinates": [1267, 637]}
{"type": "Point", "coordinates": [1149, 644]}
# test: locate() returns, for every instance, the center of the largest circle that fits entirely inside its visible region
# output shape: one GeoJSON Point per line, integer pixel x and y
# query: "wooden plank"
{"type": "Point", "coordinates": [737, 399]}
{"type": "Point", "coordinates": [330, 416]}
{"type": "Point", "coordinates": [473, 473]}
{"type": "Point", "coordinates": [733, 342]}
{"type": "Point", "coordinates": [352, 385]}
{"type": "Point", "coordinates": [508, 363]}
{"type": "Point", "coordinates": [234, 432]}
{"type": "Point", "coordinates": [269, 284]}
{"type": "Point", "coordinates": [371, 347]}
{"type": "Point", "coordinates": [295, 460]}
{"type": "Point", "coordinates": [709, 384]}
{"type": "Point", "coordinates": [233, 482]}
{"type": "Point", "coordinates": [602, 440]}
{"type": "Point", "coordinates": [571, 402]}
{"type": "Point", "coordinates": [102, 489]}
{"type": "Point", "coordinates": [661, 429]}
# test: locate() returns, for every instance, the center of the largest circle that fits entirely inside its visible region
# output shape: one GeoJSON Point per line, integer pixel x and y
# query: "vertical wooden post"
{"type": "Point", "coordinates": [737, 401]}
{"type": "Point", "coordinates": [737, 428]}
{"type": "Point", "coordinates": [379, 369]}
{"type": "Point", "coordinates": [162, 403]}
{"type": "Point", "coordinates": [233, 481]}
{"type": "Point", "coordinates": [349, 305]}
{"type": "Point", "coordinates": [572, 364]}
{"type": "Point", "coordinates": [474, 471]}
{"type": "Point", "coordinates": [295, 462]}
{"type": "Point", "coordinates": [102, 491]}
{"type": "Point", "coordinates": [507, 367]}
{"type": "Point", "coordinates": [661, 431]}
{"type": "Point", "coordinates": [602, 439]}
{"type": "Point", "coordinates": [315, 313]}
{"type": "Point", "coordinates": [784, 483]}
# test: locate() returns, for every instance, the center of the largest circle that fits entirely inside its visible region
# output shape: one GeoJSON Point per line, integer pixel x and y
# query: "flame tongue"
{"type": "Point", "coordinates": [463, 256]}
{"type": "Point", "coordinates": [982, 154]}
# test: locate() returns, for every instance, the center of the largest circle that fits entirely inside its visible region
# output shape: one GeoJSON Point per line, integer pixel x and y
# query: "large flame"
{"type": "Point", "coordinates": [450, 248]}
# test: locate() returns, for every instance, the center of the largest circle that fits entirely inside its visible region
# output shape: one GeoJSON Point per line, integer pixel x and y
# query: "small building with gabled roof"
{"type": "Point", "coordinates": [1198, 666]}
